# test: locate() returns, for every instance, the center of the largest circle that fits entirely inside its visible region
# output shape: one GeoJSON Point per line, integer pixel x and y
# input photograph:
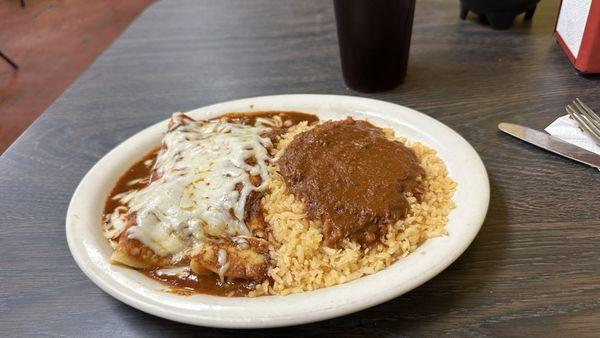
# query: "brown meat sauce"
{"type": "Point", "coordinates": [141, 174]}
{"type": "Point", "coordinates": [351, 177]}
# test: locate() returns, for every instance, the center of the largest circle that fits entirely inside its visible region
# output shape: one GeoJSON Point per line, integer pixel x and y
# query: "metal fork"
{"type": "Point", "coordinates": [586, 118]}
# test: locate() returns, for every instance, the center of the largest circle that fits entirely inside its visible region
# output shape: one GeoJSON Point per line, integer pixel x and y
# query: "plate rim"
{"type": "Point", "coordinates": [264, 322]}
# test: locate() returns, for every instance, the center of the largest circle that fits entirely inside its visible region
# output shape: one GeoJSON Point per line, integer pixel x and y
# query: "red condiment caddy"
{"type": "Point", "coordinates": [578, 33]}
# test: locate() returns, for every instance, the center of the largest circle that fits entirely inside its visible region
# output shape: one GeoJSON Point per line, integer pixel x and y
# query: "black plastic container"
{"type": "Point", "coordinates": [499, 13]}
{"type": "Point", "coordinates": [374, 39]}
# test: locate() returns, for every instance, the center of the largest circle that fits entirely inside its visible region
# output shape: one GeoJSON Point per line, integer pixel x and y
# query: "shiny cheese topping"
{"type": "Point", "coordinates": [204, 179]}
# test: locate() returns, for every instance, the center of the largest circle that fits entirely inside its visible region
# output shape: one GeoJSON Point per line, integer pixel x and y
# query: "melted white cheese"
{"type": "Point", "coordinates": [116, 223]}
{"type": "Point", "coordinates": [198, 168]}
{"type": "Point", "coordinates": [223, 264]}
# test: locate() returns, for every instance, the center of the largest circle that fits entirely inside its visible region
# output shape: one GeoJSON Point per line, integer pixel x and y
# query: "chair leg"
{"type": "Point", "coordinates": [8, 60]}
{"type": "Point", "coordinates": [464, 11]}
{"type": "Point", "coordinates": [23, 3]}
{"type": "Point", "coordinates": [529, 14]}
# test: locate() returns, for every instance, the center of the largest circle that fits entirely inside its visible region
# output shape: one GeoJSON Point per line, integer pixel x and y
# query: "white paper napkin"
{"type": "Point", "coordinates": [566, 129]}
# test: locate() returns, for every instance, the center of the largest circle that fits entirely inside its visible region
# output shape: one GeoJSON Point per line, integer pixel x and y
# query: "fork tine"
{"type": "Point", "coordinates": [574, 116]}
{"type": "Point", "coordinates": [589, 110]}
{"type": "Point", "coordinates": [584, 114]}
{"type": "Point", "coordinates": [582, 124]}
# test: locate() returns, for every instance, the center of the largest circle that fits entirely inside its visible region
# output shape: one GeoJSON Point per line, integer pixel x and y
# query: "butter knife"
{"type": "Point", "coordinates": [551, 143]}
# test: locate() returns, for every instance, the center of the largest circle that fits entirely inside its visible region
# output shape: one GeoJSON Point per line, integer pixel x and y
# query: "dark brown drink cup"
{"type": "Point", "coordinates": [374, 39]}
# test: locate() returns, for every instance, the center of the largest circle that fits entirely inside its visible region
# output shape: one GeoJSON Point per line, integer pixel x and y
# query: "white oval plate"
{"type": "Point", "coordinates": [91, 250]}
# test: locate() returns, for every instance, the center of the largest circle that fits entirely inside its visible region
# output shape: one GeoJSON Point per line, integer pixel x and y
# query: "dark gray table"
{"type": "Point", "coordinates": [534, 268]}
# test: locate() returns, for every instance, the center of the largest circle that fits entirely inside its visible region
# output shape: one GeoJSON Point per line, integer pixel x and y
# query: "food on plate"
{"type": "Point", "coordinates": [355, 178]}
{"type": "Point", "coordinates": [274, 203]}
